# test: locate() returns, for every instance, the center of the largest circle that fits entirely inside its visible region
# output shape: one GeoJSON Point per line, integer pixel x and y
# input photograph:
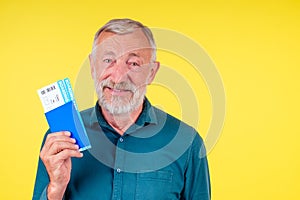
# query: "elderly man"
{"type": "Point", "coordinates": [138, 151]}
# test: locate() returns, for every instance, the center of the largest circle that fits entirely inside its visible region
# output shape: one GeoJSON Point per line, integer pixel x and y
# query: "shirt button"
{"type": "Point", "coordinates": [118, 170]}
{"type": "Point", "coordinates": [121, 139]}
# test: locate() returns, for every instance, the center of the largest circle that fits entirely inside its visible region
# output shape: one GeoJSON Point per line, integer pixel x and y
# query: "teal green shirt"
{"type": "Point", "coordinates": [159, 157]}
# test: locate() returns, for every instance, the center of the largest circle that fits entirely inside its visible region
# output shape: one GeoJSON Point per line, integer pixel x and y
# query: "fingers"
{"type": "Point", "coordinates": [58, 137]}
{"type": "Point", "coordinates": [58, 142]}
{"type": "Point", "coordinates": [59, 146]}
{"type": "Point", "coordinates": [67, 153]}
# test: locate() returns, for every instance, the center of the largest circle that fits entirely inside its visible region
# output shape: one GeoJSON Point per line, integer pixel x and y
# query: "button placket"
{"type": "Point", "coordinates": [119, 165]}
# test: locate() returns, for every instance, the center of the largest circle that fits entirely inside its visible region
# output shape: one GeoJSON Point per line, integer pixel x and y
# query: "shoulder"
{"type": "Point", "coordinates": [87, 115]}
{"type": "Point", "coordinates": [168, 120]}
{"type": "Point", "coordinates": [177, 127]}
{"type": "Point", "coordinates": [87, 111]}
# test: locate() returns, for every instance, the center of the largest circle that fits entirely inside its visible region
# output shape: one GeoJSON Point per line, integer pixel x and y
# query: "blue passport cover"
{"type": "Point", "coordinates": [61, 111]}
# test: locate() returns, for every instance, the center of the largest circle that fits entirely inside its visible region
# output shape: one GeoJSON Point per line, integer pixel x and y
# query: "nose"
{"type": "Point", "coordinates": [119, 71]}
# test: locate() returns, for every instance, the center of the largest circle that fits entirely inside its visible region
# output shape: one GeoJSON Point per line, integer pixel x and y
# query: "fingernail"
{"type": "Point", "coordinates": [76, 146]}
{"type": "Point", "coordinates": [67, 133]}
{"type": "Point", "coordinates": [73, 140]}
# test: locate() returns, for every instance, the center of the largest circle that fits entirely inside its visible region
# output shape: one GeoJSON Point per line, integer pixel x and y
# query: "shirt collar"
{"type": "Point", "coordinates": [146, 117]}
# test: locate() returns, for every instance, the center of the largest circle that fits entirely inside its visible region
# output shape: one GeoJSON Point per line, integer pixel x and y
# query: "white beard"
{"type": "Point", "coordinates": [119, 105]}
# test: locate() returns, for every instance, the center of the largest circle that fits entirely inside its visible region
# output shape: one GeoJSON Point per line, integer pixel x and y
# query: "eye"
{"type": "Point", "coordinates": [107, 60]}
{"type": "Point", "coordinates": [134, 64]}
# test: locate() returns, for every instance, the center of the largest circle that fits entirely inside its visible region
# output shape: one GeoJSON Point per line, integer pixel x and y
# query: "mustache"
{"type": "Point", "coordinates": [118, 86]}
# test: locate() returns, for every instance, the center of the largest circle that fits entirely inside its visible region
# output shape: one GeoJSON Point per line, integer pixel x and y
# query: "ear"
{"type": "Point", "coordinates": [92, 66]}
{"type": "Point", "coordinates": [154, 68]}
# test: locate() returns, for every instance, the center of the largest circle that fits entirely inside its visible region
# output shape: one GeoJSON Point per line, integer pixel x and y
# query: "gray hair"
{"type": "Point", "coordinates": [125, 26]}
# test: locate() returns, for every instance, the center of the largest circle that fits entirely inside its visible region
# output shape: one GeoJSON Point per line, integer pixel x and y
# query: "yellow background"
{"type": "Point", "coordinates": [255, 46]}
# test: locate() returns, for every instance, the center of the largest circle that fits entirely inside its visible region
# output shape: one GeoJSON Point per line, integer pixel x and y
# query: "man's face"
{"type": "Point", "coordinates": [121, 68]}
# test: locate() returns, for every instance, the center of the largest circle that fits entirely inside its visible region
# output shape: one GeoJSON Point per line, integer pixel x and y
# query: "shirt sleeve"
{"type": "Point", "coordinates": [41, 180]}
{"type": "Point", "coordinates": [197, 180]}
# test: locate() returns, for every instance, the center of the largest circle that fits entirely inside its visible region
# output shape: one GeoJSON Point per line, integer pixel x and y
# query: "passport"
{"type": "Point", "coordinates": [62, 113]}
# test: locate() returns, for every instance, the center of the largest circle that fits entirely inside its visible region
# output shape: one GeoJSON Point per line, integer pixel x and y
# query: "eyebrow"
{"type": "Point", "coordinates": [134, 54]}
{"type": "Point", "coordinates": [108, 53]}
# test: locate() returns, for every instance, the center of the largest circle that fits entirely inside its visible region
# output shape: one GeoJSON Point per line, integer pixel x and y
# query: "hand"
{"type": "Point", "coordinates": [56, 155]}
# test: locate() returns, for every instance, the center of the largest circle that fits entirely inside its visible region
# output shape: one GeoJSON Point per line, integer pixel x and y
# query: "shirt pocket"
{"type": "Point", "coordinates": [154, 185]}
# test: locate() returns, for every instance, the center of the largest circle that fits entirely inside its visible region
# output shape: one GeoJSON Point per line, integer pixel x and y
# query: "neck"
{"type": "Point", "coordinates": [122, 122]}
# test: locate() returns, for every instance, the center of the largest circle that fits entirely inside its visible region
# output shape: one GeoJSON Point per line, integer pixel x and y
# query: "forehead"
{"type": "Point", "coordinates": [122, 43]}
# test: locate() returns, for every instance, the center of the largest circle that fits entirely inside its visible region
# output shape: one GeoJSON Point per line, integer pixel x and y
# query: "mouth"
{"type": "Point", "coordinates": [115, 91]}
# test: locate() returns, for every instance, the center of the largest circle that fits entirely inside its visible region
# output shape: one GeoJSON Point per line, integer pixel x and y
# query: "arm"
{"type": "Point", "coordinates": [197, 180]}
{"type": "Point", "coordinates": [41, 182]}
{"type": "Point", "coordinates": [54, 167]}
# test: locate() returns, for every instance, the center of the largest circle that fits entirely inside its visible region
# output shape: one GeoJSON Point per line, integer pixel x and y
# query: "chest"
{"type": "Point", "coordinates": [91, 179]}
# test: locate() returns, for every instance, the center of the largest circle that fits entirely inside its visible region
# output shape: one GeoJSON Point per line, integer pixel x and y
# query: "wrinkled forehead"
{"type": "Point", "coordinates": [122, 44]}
